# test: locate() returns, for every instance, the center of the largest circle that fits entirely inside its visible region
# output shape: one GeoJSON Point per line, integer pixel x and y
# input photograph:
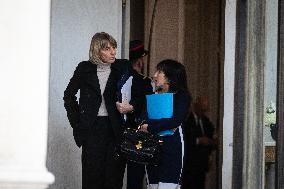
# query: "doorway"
{"type": "Point", "coordinates": [191, 32]}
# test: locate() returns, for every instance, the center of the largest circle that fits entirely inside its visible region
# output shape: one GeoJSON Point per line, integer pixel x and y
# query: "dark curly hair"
{"type": "Point", "coordinates": [175, 73]}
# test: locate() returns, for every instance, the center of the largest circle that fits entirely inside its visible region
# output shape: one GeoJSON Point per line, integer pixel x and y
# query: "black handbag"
{"type": "Point", "coordinates": [140, 147]}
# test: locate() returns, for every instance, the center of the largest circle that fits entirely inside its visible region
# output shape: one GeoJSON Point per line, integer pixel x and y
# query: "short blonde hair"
{"type": "Point", "coordinates": [100, 41]}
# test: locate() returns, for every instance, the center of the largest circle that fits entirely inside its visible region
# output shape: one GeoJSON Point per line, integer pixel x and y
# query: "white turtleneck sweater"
{"type": "Point", "coordinates": [103, 71]}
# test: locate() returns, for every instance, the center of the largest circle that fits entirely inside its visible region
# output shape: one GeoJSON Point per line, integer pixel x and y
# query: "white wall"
{"type": "Point", "coordinates": [24, 56]}
{"type": "Point", "coordinates": [229, 72]}
{"type": "Point", "coordinates": [73, 24]}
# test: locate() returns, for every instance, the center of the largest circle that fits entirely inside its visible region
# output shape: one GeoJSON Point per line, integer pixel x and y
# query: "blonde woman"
{"type": "Point", "coordinates": [95, 120]}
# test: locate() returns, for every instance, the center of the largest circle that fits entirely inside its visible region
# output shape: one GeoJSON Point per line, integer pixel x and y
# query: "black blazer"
{"type": "Point", "coordinates": [83, 114]}
{"type": "Point", "coordinates": [141, 86]}
{"type": "Point", "coordinates": [197, 156]}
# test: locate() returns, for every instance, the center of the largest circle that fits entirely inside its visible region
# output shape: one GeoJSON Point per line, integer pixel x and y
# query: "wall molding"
{"type": "Point", "coordinates": [12, 177]}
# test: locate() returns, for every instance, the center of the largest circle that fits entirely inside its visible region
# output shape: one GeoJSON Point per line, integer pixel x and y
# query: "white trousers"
{"type": "Point", "coordinates": [162, 185]}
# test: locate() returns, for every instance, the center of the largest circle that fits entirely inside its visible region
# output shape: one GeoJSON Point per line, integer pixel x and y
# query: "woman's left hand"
{"type": "Point", "coordinates": [144, 128]}
{"type": "Point", "coordinates": [124, 107]}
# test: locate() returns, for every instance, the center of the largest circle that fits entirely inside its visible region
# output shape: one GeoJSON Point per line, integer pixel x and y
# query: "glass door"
{"type": "Point", "coordinates": [270, 92]}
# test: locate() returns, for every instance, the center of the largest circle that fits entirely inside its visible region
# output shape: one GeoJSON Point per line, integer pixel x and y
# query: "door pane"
{"type": "Point", "coordinates": [270, 88]}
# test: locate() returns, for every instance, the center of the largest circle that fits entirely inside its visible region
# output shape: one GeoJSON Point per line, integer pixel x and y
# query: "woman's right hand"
{"type": "Point", "coordinates": [144, 128]}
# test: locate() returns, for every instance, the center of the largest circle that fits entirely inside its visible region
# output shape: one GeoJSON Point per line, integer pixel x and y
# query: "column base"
{"type": "Point", "coordinates": [25, 180]}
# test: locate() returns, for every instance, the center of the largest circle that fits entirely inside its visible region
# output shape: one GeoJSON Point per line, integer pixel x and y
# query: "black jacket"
{"type": "Point", "coordinates": [197, 156]}
{"type": "Point", "coordinates": [141, 86]}
{"type": "Point", "coordinates": [83, 114]}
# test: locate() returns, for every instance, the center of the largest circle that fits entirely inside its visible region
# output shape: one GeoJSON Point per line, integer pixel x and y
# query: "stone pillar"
{"type": "Point", "coordinates": [168, 34]}
{"type": "Point", "coordinates": [229, 82]}
{"type": "Point", "coordinates": [249, 96]}
{"type": "Point", "coordinates": [24, 57]}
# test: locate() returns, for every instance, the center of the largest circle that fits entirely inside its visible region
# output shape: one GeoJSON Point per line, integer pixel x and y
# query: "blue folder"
{"type": "Point", "coordinates": [160, 105]}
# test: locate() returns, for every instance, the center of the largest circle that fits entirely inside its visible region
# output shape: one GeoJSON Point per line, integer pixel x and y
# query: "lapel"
{"type": "Point", "coordinates": [93, 80]}
{"type": "Point", "coordinates": [92, 77]}
{"type": "Point", "coordinates": [111, 82]}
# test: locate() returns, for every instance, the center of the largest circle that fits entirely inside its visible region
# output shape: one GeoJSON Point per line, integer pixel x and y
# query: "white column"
{"type": "Point", "coordinates": [229, 72]}
{"type": "Point", "coordinates": [24, 56]}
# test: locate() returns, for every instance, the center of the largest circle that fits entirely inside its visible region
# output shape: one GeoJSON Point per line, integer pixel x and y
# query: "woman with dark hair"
{"type": "Point", "coordinates": [95, 120]}
{"type": "Point", "coordinates": [170, 77]}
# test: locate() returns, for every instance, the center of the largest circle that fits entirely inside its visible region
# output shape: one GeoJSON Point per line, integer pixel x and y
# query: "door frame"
{"type": "Point", "coordinates": [280, 100]}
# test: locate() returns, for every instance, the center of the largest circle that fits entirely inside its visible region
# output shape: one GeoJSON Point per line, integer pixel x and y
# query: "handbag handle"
{"type": "Point", "coordinates": [140, 125]}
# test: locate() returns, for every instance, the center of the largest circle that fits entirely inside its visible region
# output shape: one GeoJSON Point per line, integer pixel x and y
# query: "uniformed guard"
{"type": "Point", "coordinates": [132, 104]}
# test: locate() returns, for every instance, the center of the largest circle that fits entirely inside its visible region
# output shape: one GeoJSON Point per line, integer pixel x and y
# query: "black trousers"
{"type": "Point", "coordinates": [135, 175]}
{"type": "Point", "coordinates": [193, 180]}
{"type": "Point", "coordinates": [101, 167]}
